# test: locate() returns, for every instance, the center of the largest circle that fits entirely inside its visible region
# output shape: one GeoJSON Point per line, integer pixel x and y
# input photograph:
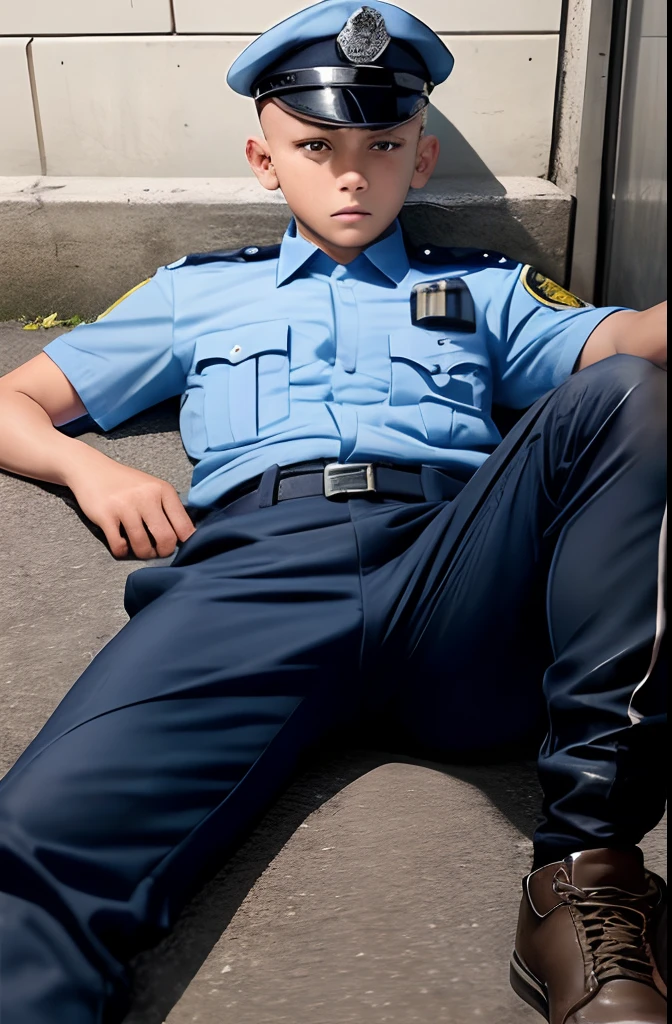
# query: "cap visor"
{"type": "Point", "coordinates": [354, 107]}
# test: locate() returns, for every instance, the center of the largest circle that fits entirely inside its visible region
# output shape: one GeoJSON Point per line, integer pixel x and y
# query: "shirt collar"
{"type": "Point", "coordinates": [388, 254]}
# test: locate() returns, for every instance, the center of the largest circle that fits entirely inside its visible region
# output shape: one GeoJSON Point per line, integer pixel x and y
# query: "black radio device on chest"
{"type": "Point", "coordinates": [446, 303]}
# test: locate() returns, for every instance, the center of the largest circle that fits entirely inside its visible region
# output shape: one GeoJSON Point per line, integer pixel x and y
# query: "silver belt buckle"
{"type": "Point", "coordinates": [352, 480]}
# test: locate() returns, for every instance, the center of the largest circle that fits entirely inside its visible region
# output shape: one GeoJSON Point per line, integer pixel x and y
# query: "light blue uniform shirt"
{"type": "Point", "coordinates": [294, 358]}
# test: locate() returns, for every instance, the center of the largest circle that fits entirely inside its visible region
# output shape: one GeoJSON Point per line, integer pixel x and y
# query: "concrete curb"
{"type": "Point", "coordinates": [73, 245]}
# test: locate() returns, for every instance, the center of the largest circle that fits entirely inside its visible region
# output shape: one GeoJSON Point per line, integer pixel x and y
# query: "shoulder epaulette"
{"type": "Point", "coordinates": [248, 254]}
{"type": "Point", "coordinates": [465, 257]}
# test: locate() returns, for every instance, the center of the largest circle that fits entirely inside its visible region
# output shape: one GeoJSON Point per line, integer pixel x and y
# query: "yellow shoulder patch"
{"type": "Point", "coordinates": [124, 296]}
{"type": "Point", "coordinates": [548, 292]}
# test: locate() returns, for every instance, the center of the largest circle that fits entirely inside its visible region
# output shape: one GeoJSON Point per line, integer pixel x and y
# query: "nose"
{"type": "Point", "coordinates": [352, 181]}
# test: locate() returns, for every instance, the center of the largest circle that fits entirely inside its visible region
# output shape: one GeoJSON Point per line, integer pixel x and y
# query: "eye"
{"type": "Point", "coordinates": [386, 147]}
{"type": "Point", "coordinates": [314, 146]}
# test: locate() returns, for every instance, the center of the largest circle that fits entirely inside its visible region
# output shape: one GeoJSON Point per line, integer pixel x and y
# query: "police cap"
{"type": "Point", "coordinates": [358, 66]}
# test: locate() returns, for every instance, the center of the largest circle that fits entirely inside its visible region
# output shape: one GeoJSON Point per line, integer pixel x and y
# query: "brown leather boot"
{"type": "Point", "coordinates": [583, 949]}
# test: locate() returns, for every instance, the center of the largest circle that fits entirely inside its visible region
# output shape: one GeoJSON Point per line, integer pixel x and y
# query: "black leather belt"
{"type": "Point", "coordinates": [342, 482]}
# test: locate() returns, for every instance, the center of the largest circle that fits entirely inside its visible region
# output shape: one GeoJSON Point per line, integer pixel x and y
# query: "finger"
{"type": "Point", "coordinates": [116, 543]}
{"type": "Point", "coordinates": [160, 529]}
{"type": "Point", "coordinates": [177, 514]}
{"type": "Point", "coordinates": [138, 537]}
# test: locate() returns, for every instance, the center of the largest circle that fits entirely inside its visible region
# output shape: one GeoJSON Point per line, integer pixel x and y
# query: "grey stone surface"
{"type": "Point", "coordinates": [570, 96]}
{"type": "Point", "coordinates": [395, 900]}
{"type": "Point", "coordinates": [60, 589]}
{"type": "Point", "coordinates": [74, 245]}
{"type": "Point", "coordinates": [378, 890]}
{"type": "Point", "coordinates": [593, 46]}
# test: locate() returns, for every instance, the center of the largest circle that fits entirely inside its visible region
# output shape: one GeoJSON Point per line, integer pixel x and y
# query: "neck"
{"type": "Point", "coordinates": [338, 253]}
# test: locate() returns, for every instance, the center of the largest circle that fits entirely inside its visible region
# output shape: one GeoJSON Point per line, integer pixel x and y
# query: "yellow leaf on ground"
{"type": "Point", "coordinates": [31, 327]}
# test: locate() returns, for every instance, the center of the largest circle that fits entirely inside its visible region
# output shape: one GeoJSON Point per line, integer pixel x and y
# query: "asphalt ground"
{"type": "Point", "coordinates": [377, 889]}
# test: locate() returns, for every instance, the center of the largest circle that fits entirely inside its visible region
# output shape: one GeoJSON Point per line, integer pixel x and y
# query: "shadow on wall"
{"type": "Point", "coordinates": [479, 213]}
{"type": "Point", "coordinates": [458, 159]}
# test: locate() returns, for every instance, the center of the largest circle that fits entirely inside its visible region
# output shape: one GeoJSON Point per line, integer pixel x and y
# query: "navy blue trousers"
{"type": "Point", "coordinates": [531, 596]}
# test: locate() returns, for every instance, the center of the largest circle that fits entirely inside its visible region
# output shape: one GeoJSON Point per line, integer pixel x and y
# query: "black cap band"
{"type": "Point", "coordinates": [338, 78]}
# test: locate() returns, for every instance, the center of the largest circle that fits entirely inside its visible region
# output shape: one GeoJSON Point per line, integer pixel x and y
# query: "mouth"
{"type": "Point", "coordinates": [350, 214]}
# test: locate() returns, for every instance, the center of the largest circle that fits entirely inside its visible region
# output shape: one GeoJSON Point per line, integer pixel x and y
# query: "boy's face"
{"type": "Point", "coordinates": [345, 186]}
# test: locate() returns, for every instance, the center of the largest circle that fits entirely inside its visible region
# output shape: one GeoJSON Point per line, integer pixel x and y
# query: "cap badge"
{"type": "Point", "coordinates": [364, 37]}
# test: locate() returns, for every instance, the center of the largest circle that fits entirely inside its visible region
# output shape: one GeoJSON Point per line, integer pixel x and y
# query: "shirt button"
{"type": "Point", "coordinates": [235, 350]}
{"type": "Point", "coordinates": [252, 251]}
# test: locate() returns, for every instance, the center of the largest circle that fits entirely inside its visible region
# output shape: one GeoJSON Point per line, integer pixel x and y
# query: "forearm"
{"type": "Point", "coordinates": [631, 333]}
{"type": "Point", "coordinates": [134, 509]}
{"type": "Point", "coordinates": [31, 446]}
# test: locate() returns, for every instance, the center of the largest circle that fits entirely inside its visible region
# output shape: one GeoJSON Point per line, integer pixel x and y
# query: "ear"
{"type": "Point", "coordinates": [259, 158]}
{"type": "Point", "coordinates": [425, 160]}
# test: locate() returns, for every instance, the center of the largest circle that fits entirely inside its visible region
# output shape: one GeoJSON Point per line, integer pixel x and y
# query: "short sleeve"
{"type": "Point", "coordinates": [537, 330]}
{"type": "Point", "coordinates": [124, 362]}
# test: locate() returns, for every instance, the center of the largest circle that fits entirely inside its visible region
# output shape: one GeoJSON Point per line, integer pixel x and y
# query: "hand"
{"type": "Point", "coordinates": [149, 509]}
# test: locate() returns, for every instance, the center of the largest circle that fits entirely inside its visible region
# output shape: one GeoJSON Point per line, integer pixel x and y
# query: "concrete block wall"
{"type": "Point", "coordinates": [119, 88]}
{"type": "Point", "coordinates": [77, 244]}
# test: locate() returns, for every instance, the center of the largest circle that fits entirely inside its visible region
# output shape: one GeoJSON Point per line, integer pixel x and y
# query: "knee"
{"type": "Point", "coordinates": [623, 376]}
{"type": "Point", "coordinates": [625, 389]}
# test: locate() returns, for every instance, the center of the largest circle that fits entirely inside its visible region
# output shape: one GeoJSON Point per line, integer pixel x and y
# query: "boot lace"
{"type": "Point", "coordinates": [614, 925]}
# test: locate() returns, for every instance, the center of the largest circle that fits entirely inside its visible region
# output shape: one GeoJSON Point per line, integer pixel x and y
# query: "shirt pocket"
{"type": "Point", "coordinates": [450, 384]}
{"type": "Point", "coordinates": [242, 375]}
